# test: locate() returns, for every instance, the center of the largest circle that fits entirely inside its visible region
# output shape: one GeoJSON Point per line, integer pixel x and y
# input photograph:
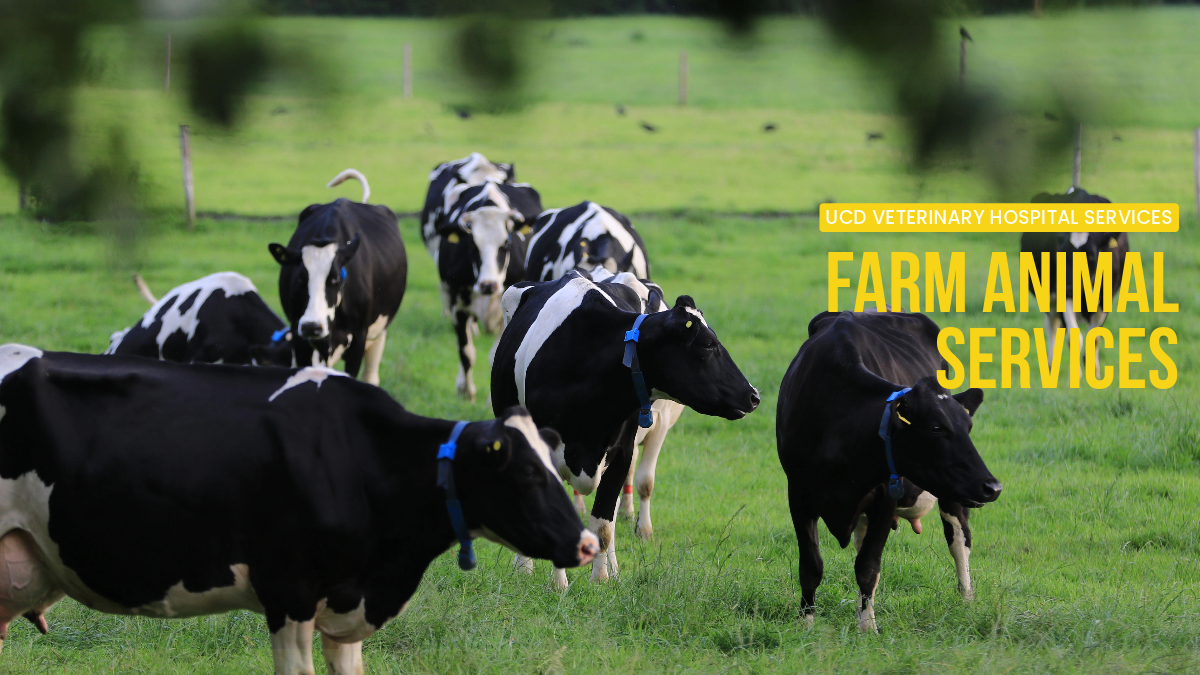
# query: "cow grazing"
{"type": "Point", "coordinates": [479, 247]}
{"type": "Point", "coordinates": [1091, 244]}
{"type": "Point", "coordinates": [586, 235]}
{"type": "Point", "coordinates": [341, 279]}
{"type": "Point", "coordinates": [860, 397]}
{"type": "Point", "coordinates": [564, 356]}
{"type": "Point", "coordinates": [217, 319]}
{"type": "Point", "coordinates": [155, 489]}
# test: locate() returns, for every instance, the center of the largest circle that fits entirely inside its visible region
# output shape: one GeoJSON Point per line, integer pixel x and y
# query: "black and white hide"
{"type": "Point", "coordinates": [479, 248]}
{"type": "Point", "coordinates": [341, 279]}
{"type": "Point", "coordinates": [474, 169]}
{"type": "Point", "coordinates": [161, 490]}
{"type": "Point", "coordinates": [585, 235]}
{"type": "Point", "coordinates": [219, 318]}
{"type": "Point", "coordinates": [562, 354]}
{"type": "Point", "coordinates": [1091, 244]}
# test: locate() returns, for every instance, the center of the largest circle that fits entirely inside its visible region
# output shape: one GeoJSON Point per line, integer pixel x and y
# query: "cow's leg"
{"type": "Point", "coordinates": [25, 586]}
{"type": "Point", "coordinates": [668, 415]}
{"type": "Point", "coordinates": [1096, 321]}
{"type": "Point", "coordinates": [580, 503]}
{"type": "Point", "coordinates": [1071, 319]}
{"type": "Point", "coordinates": [373, 359]}
{"type": "Point", "coordinates": [558, 578]}
{"type": "Point", "coordinates": [812, 568]}
{"type": "Point", "coordinates": [958, 538]}
{"type": "Point", "coordinates": [880, 514]}
{"type": "Point", "coordinates": [860, 531]}
{"type": "Point", "coordinates": [342, 659]}
{"type": "Point", "coordinates": [1051, 328]}
{"type": "Point", "coordinates": [291, 648]}
{"type": "Point", "coordinates": [353, 356]}
{"type": "Point", "coordinates": [604, 504]}
{"type": "Point", "coordinates": [465, 382]}
{"type": "Point", "coordinates": [625, 508]}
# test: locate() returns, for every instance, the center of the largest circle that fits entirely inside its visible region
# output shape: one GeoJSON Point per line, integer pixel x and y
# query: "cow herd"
{"type": "Point", "coordinates": [163, 479]}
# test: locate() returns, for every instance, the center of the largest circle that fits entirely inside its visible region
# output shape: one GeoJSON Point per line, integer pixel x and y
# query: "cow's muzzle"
{"type": "Point", "coordinates": [588, 547]}
{"type": "Point", "coordinates": [991, 491]}
{"type": "Point", "coordinates": [488, 287]}
{"type": "Point", "coordinates": [312, 330]}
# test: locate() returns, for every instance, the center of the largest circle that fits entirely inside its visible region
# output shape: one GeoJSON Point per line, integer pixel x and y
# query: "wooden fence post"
{"type": "Point", "coordinates": [1196, 169]}
{"type": "Point", "coordinates": [1077, 164]}
{"type": "Point", "coordinates": [683, 77]}
{"type": "Point", "coordinates": [167, 75]}
{"type": "Point", "coordinates": [407, 70]}
{"type": "Point", "coordinates": [185, 153]}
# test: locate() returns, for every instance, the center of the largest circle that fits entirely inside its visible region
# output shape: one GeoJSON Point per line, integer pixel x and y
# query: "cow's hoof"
{"type": "Point", "coordinates": [968, 594]}
{"type": "Point", "coordinates": [644, 531]}
{"type": "Point", "coordinates": [867, 625]}
{"type": "Point", "coordinates": [559, 579]}
{"type": "Point", "coordinates": [808, 619]}
{"type": "Point", "coordinates": [523, 564]}
{"type": "Point", "coordinates": [625, 510]}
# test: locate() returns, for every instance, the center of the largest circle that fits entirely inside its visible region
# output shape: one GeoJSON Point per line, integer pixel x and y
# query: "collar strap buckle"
{"type": "Point", "coordinates": [895, 486]}
{"type": "Point", "coordinates": [630, 361]}
{"type": "Point", "coordinates": [445, 480]}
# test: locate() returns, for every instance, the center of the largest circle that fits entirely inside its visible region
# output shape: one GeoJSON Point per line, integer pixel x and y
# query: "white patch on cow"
{"type": "Point", "coordinates": [376, 341]}
{"type": "Point", "coordinates": [173, 320]}
{"type": "Point", "coordinates": [523, 564]}
{"type": "Point", "coordinates": [346, 628]}
{"type": "Point", "coordinates": [318, 261]}
{"type": "Point", "coordinates": [554, 312]}
{"type": "Point", "coordinates": [115, 340]}
{"type": "Point", "coordinates": [943, 397]}
{"type": "Point", "coordinates": [558, 579]}
{"type": "Point", "coordinates": [1078, 239]}
{"type": "Point", "coordinates": [14, 356]}
{"type": "Point", "coordinates": [696, 313]}
{"type": "Point", "coordinates": [477, 169]}
{"type": "Point", "coordinates": [179, 602]}
{"type": "Point", "coordinates": [377, 328]}
{"type": "Point", "coordinates": [525, 425]}
{"type": "Point", "coordinates": [584, 483]}
{"type": "Point", "coordinates": [510, 301]}
{"type": "Point", "coordinates": [314, 374]}
{"type": "Point", "coordinates": [925, 503]}
{"type": "Point", "coordinates": [604, 565]}
{"type": "Point", "coordinates": [962, 556]}
{"type": "Point", "coordinates": [341, 658]}
{"type": "Point", "coordinates": [338, 350]}
{"type": "Point", "coordinates": [291, 648]}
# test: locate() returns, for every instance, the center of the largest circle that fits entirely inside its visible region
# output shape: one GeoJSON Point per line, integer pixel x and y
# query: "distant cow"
{"type": "Point", "coordinates": [1089, 243]}
{"type": "Point", "coordinates": [587, 235]}
{"type": "Point", "coordinates": [860, 409]}
{"type": "Point", "coordinates": [338, 298]}
{"type": "Point", "coordinates": [474, 169]}
{"type": "Point", "coordinates": [478, 243]}
{"type": "Point", "coordinates": [574, 352]}
{"type": "Point", "coordinates": [154, 489]}
{"type": "Point", "coordinates": [217, 319]}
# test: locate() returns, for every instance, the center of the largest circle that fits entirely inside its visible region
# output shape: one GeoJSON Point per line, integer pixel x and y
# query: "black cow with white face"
{"type": "Point", "coordinates": [837, 402]}
{"type": "Point", "coordinates": [562, 357]}
{"type": "Point", "coordinates": [585, 235]}
{"type": "Point", "coordinates": [479, 248]}
{"type": "Point", "coordinates": [156, 489]}
{"type": "Point", "coordinates": [342, 277]}
{"type": "Point", "coordinates": [1091, 244]}
{"type": "Point", "coordinates": [474, 169]}
{"type": "Point", "coordinates": [219, 318]}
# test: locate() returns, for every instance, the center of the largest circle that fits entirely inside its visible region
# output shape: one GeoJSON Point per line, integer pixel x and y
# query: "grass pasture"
{"type": "Point", "coordinates": [1090, 561]}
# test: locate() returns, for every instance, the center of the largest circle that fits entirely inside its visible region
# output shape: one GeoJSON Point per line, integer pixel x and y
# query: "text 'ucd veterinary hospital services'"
{"type": "Point", "coordinates": [1082, 283]}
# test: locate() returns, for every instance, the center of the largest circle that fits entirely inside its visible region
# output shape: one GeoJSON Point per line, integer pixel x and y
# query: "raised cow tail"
{"type": "Point", "coordinates": [144, 289]}
{"type": "Point", "coordinates": [356, 175]}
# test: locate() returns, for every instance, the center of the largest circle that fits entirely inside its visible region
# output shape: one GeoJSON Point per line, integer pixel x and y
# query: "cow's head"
{"type": "Point", "coordinates": [931, 444]}
{"type": "Point", "coordinates": [683, 358]}
{"type": "Point", "coordinates": [512, 495]}
{"type": "Point", "coordinates": [318, 283]}
{"type": "Point", "coordinates": [489, 228]}
{"type": "Point", "coordinates": [277, 352]}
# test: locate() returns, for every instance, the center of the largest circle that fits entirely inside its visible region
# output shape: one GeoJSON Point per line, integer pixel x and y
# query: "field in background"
{"type": "Point", "coordinates": [1137, 69]}
{"type": "Point", "coordinates": [1088, 563]}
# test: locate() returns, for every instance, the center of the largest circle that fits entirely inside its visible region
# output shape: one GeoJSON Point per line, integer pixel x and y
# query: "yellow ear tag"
{"type": "Point", "coordinates": [526, 230]}
{"type": "Point", "coordinates": [496, 445]}
{"type": "Point", "coordinates": [688, 325]}
{"type": "Point", "coordinates": [1112, 242]}
{"type": "Point", "coordinates": [902, 418]}
{"type": "Point", "coordinates": [453, 238]}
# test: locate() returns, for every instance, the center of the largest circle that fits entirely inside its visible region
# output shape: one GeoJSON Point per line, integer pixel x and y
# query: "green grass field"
{"type": "Point", "coordinates": [1090, 561]}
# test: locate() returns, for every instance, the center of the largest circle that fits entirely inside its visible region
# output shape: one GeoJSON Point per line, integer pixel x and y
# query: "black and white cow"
{"type": "Point", "coordinates": [216, 319]}
{"type": "Point", "coordinates": [479, 247]}
{"type": "Point", "coordinates": [1089, 243]}
{"type": "Point", "coordinates": [837, 402]}
{"type": "Point", "coordinates": [585, 235]}
{"type": "Point", "coordinates": [474, 169]}
{"type": "Point", "coordinates": [155, 489]}
{"type": "Point", "coordinates": [562, 356]}
{"type": "Point", "coordinates": [342, 277]}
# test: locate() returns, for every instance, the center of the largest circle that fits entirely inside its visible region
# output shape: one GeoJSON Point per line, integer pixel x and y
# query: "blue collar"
{"type": "Point", "coordinates": [280, 334]}
{"type": "Point", "coordinates": [895, 488]}
{"type": "Point", "coordinates": [645, 416]}
{"type": "Point", "coordinates": [445, 480]}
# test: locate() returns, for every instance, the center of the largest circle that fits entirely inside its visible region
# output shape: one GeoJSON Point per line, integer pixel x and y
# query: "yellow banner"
{"type": "Point", "coordinates": [999, 217]}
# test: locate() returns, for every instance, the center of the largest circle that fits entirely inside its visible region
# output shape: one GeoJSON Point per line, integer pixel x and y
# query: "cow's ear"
{"type": "Point", "coordinates": [283, 255]}
{"type": "Point", "coordinates": [465, 219]}
{"type": "Point", "coordinates": [685, 301]}
{"type": "Point", "coordinates": [347, 252]}
{"type": "Point", "coordinates": [516, 216]}
{"type": "Point", "coordinates": [970, 399]}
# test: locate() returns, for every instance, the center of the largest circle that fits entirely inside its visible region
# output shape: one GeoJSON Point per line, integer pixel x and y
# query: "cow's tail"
{"type": "Point", "coordinates": [356, 175]}
{"type": "Point", "coordinates": [144, 289]}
